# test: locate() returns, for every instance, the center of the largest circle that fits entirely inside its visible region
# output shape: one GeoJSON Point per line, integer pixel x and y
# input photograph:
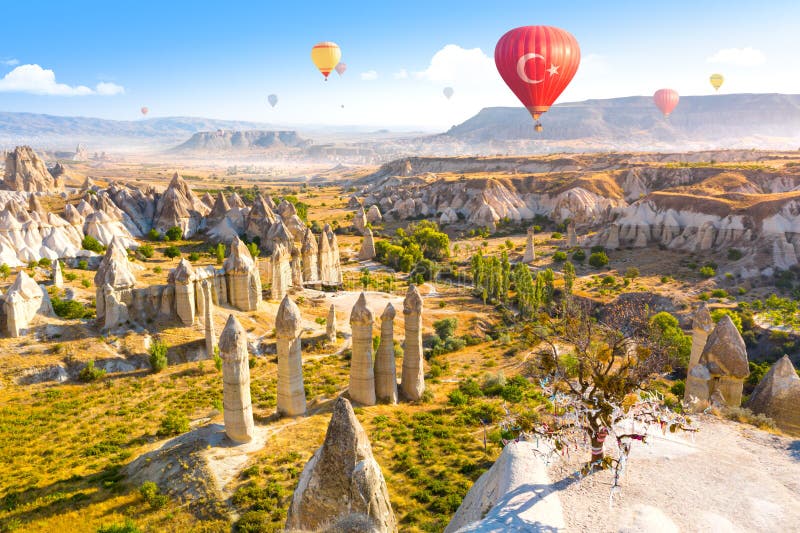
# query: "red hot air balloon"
{"type": "Point", "coordinates": [340, 68]}
{"type": "Point", "coordinates": [145, 110]}
{"type": "Point", "coordinates": [666, 100]}
{"type": "Point", "coordinates": [537, 63]}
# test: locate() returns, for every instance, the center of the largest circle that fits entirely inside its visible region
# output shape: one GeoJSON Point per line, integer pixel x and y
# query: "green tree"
{"type": "Point", "coordinates": [598, 259]}
{"type": "Point", "coordinates": [569, 277]}
{"type": "Point", "coordinates": [158, 355]}
{"type": "Point", "coordinates": [92, 244]}
{"type": "Point", "coordinates": [172, 252]}
{"type": "Point", "coordinates": [174, 233]}
{"type": "Point", "coordinates": [667, 329]}
{"type": "Point", "coordinates": [5, 271]}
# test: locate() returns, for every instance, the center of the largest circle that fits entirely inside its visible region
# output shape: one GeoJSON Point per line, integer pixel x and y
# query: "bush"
{"type": "Point", "coordinates": [560, 256]}
{"type": "Point", "coordinates": [86, 283]}
{"type": "Point", "coordinates": [69, 308]}
{"type": "Point", "coordinates": [174, 423]}
{"type": "Point", "coordinates": [632, 272]}
{"type": "Point", "coordinates": [445, 328]}
{"type": "Point", "coordinates": [154, 235]}
{"type": "Point", "coordinates": [717, 315]}
{"type": "Point", "coordinates": [678, 388]}
{"type": "Point", "coordinates": [719, 293]}
{"type": "Point", "coordinates": [174, 233]}
{"type": "Point", "coordinates": [83, 264]}
{"type": "Point", "coordinates": [152, 495]}
{"type": "Point", "coordinates": [90, 373]}
{"type": "Point", "coordinates": [172, 252]}
{"type": "Point", "coordinates": [158, 355]}
{"type": "Point", "coordinates": [598, 259]}
{"type": "Point", "coordinates": [194, 256]}
{"type": "Point", "coordinates": [253, 249]}
{"type": "Point", "coordinates": [145, 251]}
{"type": "Point", "coordinates": [707, 272]}
{"type": "Point", "coordinates": [5, 271]}
{"type": "Point", "coordinates": [579, 256]}
{"type": "Point", "coordinates": [457, 398]}
{"type": "Point", "coordinates": [734, 254]}
{"type": "Point", "coordinates": [556, 235]}
{"type": "Point", "coordinates": [45, 262]}
{"type": "Point", "coordinates": [92, 244]}
{"type": "Point", "coordinates": [254, 522]}
{"type": "Point", "coordinates": [70, 276]}
{"type": "Point", "coordinates": [127, 527]}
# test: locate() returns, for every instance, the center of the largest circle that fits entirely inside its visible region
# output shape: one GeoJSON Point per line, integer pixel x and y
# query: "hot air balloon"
{"type": "Point", "coordinates": [272, 99]}
{"type": "Point", "coordinates": [716, 81]}
{"type": "Point", "coordinates": [145, 111]}
{"type": "Point", "coordinates": [537, 63]}
{"type": "Point", "coordinates": [326, 56]}
{"type": "Point", "coordinates": [341, 67]}
{"type": "Point", "coordinates": [448, 92]}
{"type": "Point", "coordinates": [666, 100]}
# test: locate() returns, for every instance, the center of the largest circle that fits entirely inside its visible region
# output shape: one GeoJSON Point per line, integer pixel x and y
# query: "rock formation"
{"type": "Point", "coordinates": [114, 271]}
{"type": "Point", "coordinates": [374, 215]}
{"type": "Point", "coordinates": [25, 171]}
{"type": "Point", "coordinates": [208, 318]}
{"type": "Point", "coordinates": [777, 396]}
{"type": "Point", "coordinates": [58, 275]}
{"type": "Point", "coordinates": [288, 327]}
{"type": "Point", "coordinates": [385, 370]}
{"type": "Point", "coordinates": [310, 257]}
{"type": "Point", "coordinates": [702, 325]}
{"type": "Point", "coordinates": [360, 220]}
{"type": "Point", "coordinates": [413, 379]}
{"type": "Point", "coordinates": [367, 252]}
{"type": "Point", "coordinates": [515, 494]}
{"type": "Point", "coordinates": [243, 280]}
{"type": "Point", "coordinates": [330, 324]}
{"type": "Point", "coordinates": [183, 277]}
{"type": "Point", "coordinates": [330, 273]}
{"type": "Point", "coordinates": [297, 269]}
{"type": "Point", "coordinates": [530, 254]}
{"type": "Point", "coordinates": [238, 410]}
{"type": "Point", "coordinates": [341, 479]}
{"type": "Point", "coordinates": [23, 301]}
{"type": "Point", "coordinates": [722, 367]}
{"type": "Point", "coordinates": [572, 237]}
{"type": "Point", "coordinates": [362, 366]}
{"type": "Point", "coordinates": [179, 206]}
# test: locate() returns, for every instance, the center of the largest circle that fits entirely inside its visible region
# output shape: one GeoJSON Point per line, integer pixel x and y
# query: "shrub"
{"type": "Point", "coordinates": [92, 244]}
{"type": "Point", "coordinates": [127, 527]}
{"type": "Point", "coordinates": [86, 283]}
{"type": "Point", "coordinates": [219, 253]}
{"type": "Point", "coordinates": [734, 254]}
{"type": "Point", "coordinates": [152, 495]}
{"type": "Point", "coordinates": [678, 388]}
{"type": "Point", "coordinates": [44, 262]}
{"type": "Point", "coordinates": [83, 264]}
{"type": "Point", "coordinates": [719, 293]}
{"type": "Point", "coordinates": [194, 256]}
{"type": "Point", "coordinates": [90, 373]}
{"type": "Point", "coordinates": [253, 249]}
{"type": "Point", "coordinates": [68, 308]}
{"type": "Point", "coordinates": [174, 233]}
{"type": "Point", "coordinates": [146, 251]}
{"type": "Point", "coordinates": [157, 270]}
{"type": "Point", "coordinates": [5, 271]}
{"type": "Point", "coordinates": [174, 423]}
{"type": "Point", "coordinates": [70, 276]}
{"type": "Point", "coordinates": [154, 235]}
{"type": "Point", "coordinates": [717, 314]}
{"type": "Point", "coordinates": [598, 259]}
{"type": "Point", "coordinates": [254, 522]}
{"type": "Point", "coordinates": [172, 252]}
{"type": "Point", "coordinates": [707, 272]}
{"type": "Point", "coordinates": [457, 398]}
{"type": "Point", "coordinates": [560, 256]}
{"type": "Point", "coordinates": [556, 235]}
{"type": "Point", "coordinates": [158, 355]}
{"type": "Point", "coordinates": [632, 272]}
{"type": "Point", "coordinates": [445, 328]}
{"type": "Point", "coordinates": [579, 256]}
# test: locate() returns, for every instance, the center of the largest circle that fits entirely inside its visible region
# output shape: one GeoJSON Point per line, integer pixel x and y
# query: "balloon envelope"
{"type": "Point", "coordinates": [448, 92]}
{"type": "Point", "coordinates": [716, 81]}
{"type": "Point", "coordinates": [537, 63]}
{"type": "Point", "coordinates": [273, 100]}
{"type": "Point", "coordinates": [145, 111]}
{"type": "Point", "coordinates": [341, 67]}
{"type": "Point", "coordinates": [326, 56]}
{"type": "Point", "coordinates": [666, 100]}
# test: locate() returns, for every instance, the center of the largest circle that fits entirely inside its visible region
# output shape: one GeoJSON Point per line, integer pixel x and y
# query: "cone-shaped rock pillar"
{"type": "Point", "coordinates": [238, 409]}
{"type": "Point", "coordinates": [385, 371]}
{"type": "Point", "coordinates": [413, 380]}
{"type": "Point", "coordinates": [288, 326]}
{"type": "Point", "coordinates": [362, 371]}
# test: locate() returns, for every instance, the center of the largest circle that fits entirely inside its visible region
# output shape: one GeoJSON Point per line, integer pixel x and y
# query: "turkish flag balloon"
{"type": "Point", "coordinates": [537, 63]}
{"type": "Point", "coordinates": [666, 100]}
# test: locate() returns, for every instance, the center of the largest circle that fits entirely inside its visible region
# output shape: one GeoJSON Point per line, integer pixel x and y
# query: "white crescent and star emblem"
{"type": "Point", "coordinates": [553, 70]}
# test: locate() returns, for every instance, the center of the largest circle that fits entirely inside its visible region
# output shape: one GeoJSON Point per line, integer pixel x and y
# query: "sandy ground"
{"type": "Point", "coordinates": [726, 478]}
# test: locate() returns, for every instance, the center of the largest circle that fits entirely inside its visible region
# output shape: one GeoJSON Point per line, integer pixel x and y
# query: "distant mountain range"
{"type": "Point", "coordinates": [240, 141]}
{"type": "Point", "coordinates": [715, 121]}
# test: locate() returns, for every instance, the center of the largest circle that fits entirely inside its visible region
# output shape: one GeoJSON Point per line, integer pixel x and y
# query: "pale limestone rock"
{"type": "Point", "coordinates": [242, 278]}
{"type": "Point", "coordinates": [385, 369]}
{"type": "Point", "coordinates": [362, 368]}
{"type": "Point", "coordinates": [281, 270]}
{"type": "Point", "coordinates": [360, 220]}
{"type": "Point", "coordinates": [288, 327]}
{"type": "Point", "coordinates": [572, 237]}
{"type": "Point", "coordinates": [612, 242]}
{"type": "Point", "coordinates": [208, 318]}
{"type": "Point", "coordinates": [413, 379]}
{"type": "Point", "coordinates": [530, 253]}
{"type": "Point", "coordinates": [367, 252]}
{"type": "Point", "coordinates": [114, 270]}
{"type": "Point", "coordinates": [341, 479]}
{"type": "Point", "coordinates": [330, 273]}
{"type": "Point", "coordinates": [183, 278]}
{"type": "Point", "coordinates": [330, 324]}
{"type": "Point", "coordinates": [24, 300]}
{"type": "Point", "coordinates": [777, 396]}
{"type": "Point", "coordinates": [297, 269]}
{"type": "Point", "coordinates": [116, 311]}
{"type": "Point", "coordinates": [725, 357]}
{"type": "Point", "coordinates": [374, 215]}
{"type": "Point", "coordinates": [238, 409]}
{"type": "Point", "coordinates": [179, 206]}
{"type": "Point", "coordinates": [58, 275]}
{"type": "Point", "coordinates": [310, 258]}
{"type": "Point", "coordinates": [25, 171]}
{"type": "Point", "coordinates": [702, 325]}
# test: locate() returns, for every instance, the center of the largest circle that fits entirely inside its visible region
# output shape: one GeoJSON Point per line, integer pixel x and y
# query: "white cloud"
{"type": "Point", "coordinates": [369, 75]}
{"type": "Point", "coordinates": [453, 63]}
{"type": "Point", "coordinates": [740, 57]}
{"type": "Point", "coordinates": [33, 79]}
{"type": "Point", "coordinates": [10, 62]}
{"type": "Point", "coordinates": [401, 74]}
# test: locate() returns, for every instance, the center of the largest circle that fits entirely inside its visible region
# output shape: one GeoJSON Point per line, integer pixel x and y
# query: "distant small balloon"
{"type": "Point", "coordinates": [341, 68]}
{"type": "Point", "coordinates": [342, 106]}
{"type": "Point", "coordinates": [716, 81]}
{"type": "Point", "coordinates": [145, 110]}
{"type": "Point", "coordinates": [273, 100]}
{"type": "Point", "coordinates": [448, 92]}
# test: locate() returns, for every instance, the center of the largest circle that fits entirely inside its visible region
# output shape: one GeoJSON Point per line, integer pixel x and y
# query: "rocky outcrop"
{"type": "Point", "coordinates": [288, 213]}
{"type": "Point", "coordinates": [413, 378]}
{"type": "Point", "coordinates": [242, 277]}
{"type": "Point", "coordinates": [374, 215]}
{"type": "Point", "coordinates": [208, 318]}
{"type": "Point", "coordinates": [385, 369]}
{"type": "Point", "coordinates": [330, 324]}
{"type": "Point", "coordinates": [310, 258]}
{"type": "Point", "coordinates": [362, 366]}
{"type": "Point", "coordinates": [530, 253]}
{"type": "Point", "coordinates": [367, 252]}
{"type": "Point", "coordinates": [23, 301]}
{"type": "Point", "coordinates": [58, 275]}
{"type": "Point", "coordinates": [777, 396]}
{"type": "Point", "coordinates": [183, 278]}
{"type": "Point", "coordinates": [572, 237]}
{"type": "Point", "coordinates": [515, 494]}
{"type": "Point", "coordinates": [179, 206]}
{"type": "Point", "coordinates": [25, 171]}
{"type": "Point", "coordinates": [288, 327]}
{"type": "Point", "coordinates": [114, 271]}
{"type": "Point", "coordinates": [360, 220]}
{"type": "Point", "coordinates": [341, 479]}
{"type": "Point", "coordinates": [330, 272]}
{"type": "Point", "coordinates": [238, 409]}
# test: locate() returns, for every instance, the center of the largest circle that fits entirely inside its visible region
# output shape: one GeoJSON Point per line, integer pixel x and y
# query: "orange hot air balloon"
{"type": "Point", "coordinates": [145, 110]}
{"type": "Point", "coordinates": [326, 56]}
{"type": "Point", "coordinates": [666, 100]}
{"type": "Point", "coordinates": [537, 63]}
{"type": "Point", "coordinates": [341, 68]}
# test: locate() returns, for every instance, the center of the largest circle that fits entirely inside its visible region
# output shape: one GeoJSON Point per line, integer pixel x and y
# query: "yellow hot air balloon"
{"type": "Point", "coordinates": [326, 56]}
{"type": "Point", "coordinates": [716, 81]}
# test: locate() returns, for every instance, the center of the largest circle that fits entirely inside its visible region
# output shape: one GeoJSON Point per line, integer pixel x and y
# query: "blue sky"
{"type": "Point", "coordinates": [222, 59]}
